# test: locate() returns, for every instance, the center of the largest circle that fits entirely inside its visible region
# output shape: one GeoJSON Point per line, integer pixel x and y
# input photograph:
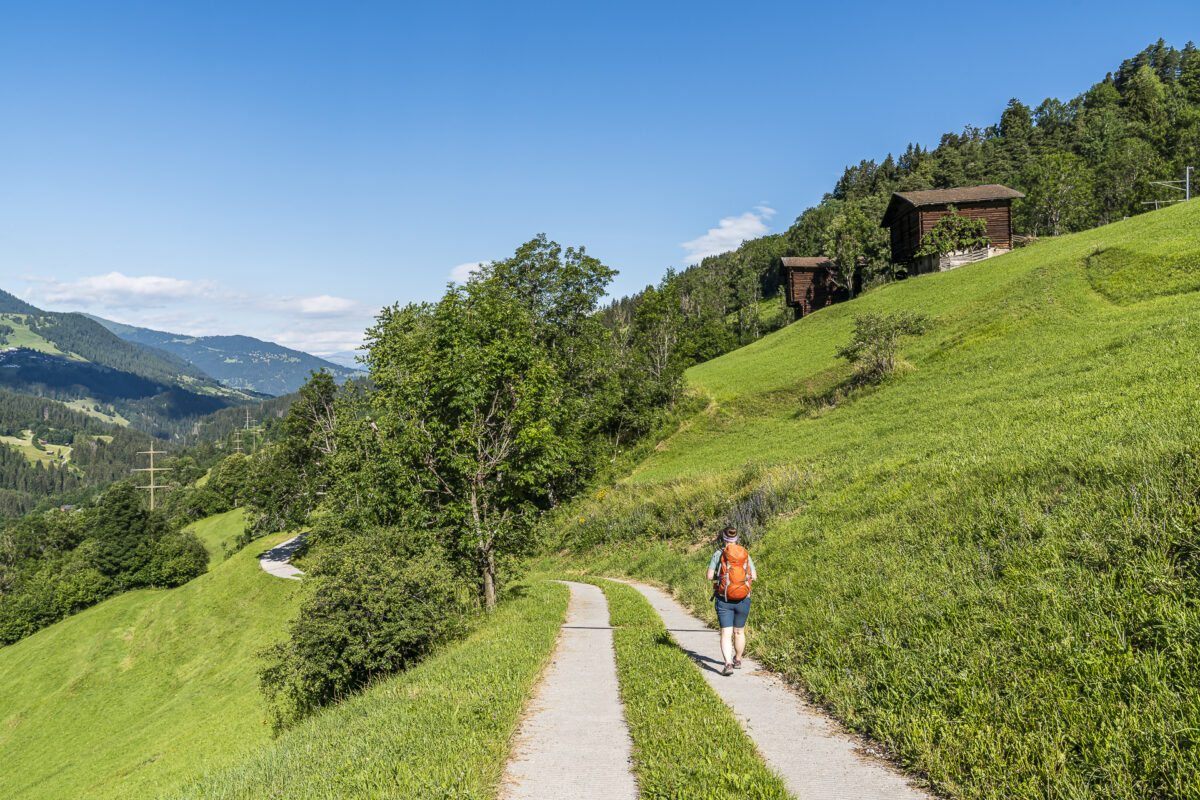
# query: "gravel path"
{"type": "Point", "coordinates": [277, 560]}
{"type": "Point", "coordinates": [574, 743]}
{"type": "Point", "coordinates": [815, 759]}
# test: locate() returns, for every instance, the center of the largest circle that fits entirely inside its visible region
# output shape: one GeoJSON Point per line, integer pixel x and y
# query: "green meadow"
{"type": "Point", "coordinates": [23, 336]}
{"type": "Point", "coordinates": [220, 531]}
{"type": "Point", "coordinates": [131, 696]}
{"type": "Point", "coordinates": [90, 407]}
{"type": "Point", "coordinates": [990, 562]}
{"type": "Point", "coordinates": [35, 453]}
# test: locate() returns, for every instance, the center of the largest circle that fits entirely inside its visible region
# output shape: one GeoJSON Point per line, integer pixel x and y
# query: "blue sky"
{"type": "Point", "coordinates": [284, 170]}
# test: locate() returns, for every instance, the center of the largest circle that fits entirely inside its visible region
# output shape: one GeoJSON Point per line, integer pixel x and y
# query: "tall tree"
{"type": "Point", "coordinates": [479, 399]}
{"type": "Point", "coordinates": [1059, 194]}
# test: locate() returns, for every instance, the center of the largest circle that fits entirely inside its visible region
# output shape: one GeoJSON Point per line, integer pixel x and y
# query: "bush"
{"type": "Point", "coordinates": [77, 590]}
{"type": "Point", "coordinates": [177, 558]}
{"type": "Point", "coordinates": [376, 604]}
{"type": "Point", "coordinates": [872, 348]}
{"type": "Point", "coordinates": [954, 232]}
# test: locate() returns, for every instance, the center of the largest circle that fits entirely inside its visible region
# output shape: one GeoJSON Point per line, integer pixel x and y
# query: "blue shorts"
{"type": "Point", "coordinates": [733, 613]}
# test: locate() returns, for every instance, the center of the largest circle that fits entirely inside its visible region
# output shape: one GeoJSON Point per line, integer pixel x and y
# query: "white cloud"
{"type": "Point", "coordinates": [326, 304]}
{"type": "Point", "coordinates": [462, 273]}
{"type": "Point", "coordinates": [116, 290]}
{"type": "Point", "coordinates": [729, 233]}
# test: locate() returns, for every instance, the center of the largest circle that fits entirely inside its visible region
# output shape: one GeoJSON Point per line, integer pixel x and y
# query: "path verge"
{"type": "Point", "coordinates": [815, 759]}
{"type": "Point", "coordinates": [574, 742]}
{"type": "Point", "coordinates": [441, 729]}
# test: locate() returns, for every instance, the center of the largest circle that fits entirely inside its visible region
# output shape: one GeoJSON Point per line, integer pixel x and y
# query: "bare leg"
{"type": "Point", "coordinates": [727, 644]}
{"type": "Point", "coordinates": [739, 641]}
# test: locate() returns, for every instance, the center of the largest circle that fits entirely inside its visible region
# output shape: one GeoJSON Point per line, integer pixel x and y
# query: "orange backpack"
{"type": "Point", "coordinates": [733, 574]}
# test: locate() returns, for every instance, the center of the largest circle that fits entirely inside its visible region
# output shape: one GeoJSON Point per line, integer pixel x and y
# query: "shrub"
{"type": "Point", "coordinates": [176, 559]}
{"type": "Point", "coordinates": [872, 348]}
{"type": "Point", "coordinates": [954, 232]}
{"type": "Point", "coordinates": [752, 514]}
{"type": "Point", "coordinates": [77, 590]}
{"type": "Point", "coordinates": [376, 604]}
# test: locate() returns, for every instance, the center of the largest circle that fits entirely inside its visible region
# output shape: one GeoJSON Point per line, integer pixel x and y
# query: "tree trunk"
{"type": "Point", "coordinates": [489, 581]}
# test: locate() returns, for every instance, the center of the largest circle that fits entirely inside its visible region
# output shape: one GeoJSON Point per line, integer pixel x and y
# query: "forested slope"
{"type": "Point", "coordinates": [72, 358]}
{"type": "Point", "coordinates": [989, 560]}
{"type": "Point", "coordinates": [100, 453]}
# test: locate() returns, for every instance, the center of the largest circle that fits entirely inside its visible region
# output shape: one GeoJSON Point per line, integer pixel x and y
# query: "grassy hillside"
{"type": "Point", "coordinates": [19, 334]}
{"type": "Point", "coordinates": [135, 694]}
{"type": "Point", "coordinates": [219, 530]}
{"type": "Point", "coordinates": [440, 729]}
{"type": "Point", "coordinates": [990, 562]}
{"type": "Point", "coordinates": [34, 453]}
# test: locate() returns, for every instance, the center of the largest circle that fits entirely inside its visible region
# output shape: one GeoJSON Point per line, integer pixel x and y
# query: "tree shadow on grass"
{"type": "Point", "coordinates": [703, 661]}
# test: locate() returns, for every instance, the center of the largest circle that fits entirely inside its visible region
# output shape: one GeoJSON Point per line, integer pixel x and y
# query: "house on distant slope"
{"type": "Point", "coordinates": [809, 284]}
{"type": "Point", "coordinates": [911, 215]}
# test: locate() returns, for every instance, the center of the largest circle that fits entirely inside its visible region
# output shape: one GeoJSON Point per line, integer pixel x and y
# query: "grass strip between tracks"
{"type": "Point", "coordinates": [687, 742]}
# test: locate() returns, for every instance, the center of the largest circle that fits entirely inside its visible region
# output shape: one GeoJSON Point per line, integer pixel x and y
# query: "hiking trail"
{"type": "Point", "coordinates": [816, 760]}
{"type": "Point", "coordinates": [574, 742]}
{"type": "Point", "coordinates": [277, 560]}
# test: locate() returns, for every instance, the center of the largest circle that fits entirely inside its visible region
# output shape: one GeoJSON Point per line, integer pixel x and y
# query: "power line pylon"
{"type": "Point", "coordinates": [253, 430]}
{"type": "Point", "coordinates": [237, 441]}
{"type": "Point", "coordinates": [153, 470]}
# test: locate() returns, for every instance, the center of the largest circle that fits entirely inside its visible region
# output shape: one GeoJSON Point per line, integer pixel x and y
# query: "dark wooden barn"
{"type": "Point", "coordinates": [809, 284]}
{"type": "Point", "coordinates": [911, 215]}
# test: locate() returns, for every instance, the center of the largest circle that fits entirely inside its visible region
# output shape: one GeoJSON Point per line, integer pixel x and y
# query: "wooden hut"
{"type": "Point", "coordinates": [809, 284]}
{"type": "Point", "coordinates": [911, 215]}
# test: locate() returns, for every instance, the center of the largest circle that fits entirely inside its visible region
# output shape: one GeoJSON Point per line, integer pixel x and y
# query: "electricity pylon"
{"type": "Point", "coordinates": [153, 470]}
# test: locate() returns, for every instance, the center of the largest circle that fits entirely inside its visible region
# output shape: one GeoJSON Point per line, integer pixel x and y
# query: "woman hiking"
{"type": "Point", "coordinates": [732, 570]}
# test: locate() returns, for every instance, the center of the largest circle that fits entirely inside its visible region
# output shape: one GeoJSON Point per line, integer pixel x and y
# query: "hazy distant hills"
{"type": "Point", "coordinates": [346, 358]}
{"type": "Point", "coordinates": [240, 362]}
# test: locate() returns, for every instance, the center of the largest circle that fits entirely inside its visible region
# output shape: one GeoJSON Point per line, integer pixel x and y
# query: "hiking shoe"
{"type": "Point", "coordinates": [737, 663]}
{"type": "Point", "coordinates": [728, 670]}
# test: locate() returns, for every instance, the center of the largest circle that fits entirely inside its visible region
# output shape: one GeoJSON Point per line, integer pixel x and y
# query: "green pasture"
{"type": "Point", "coordinates": [131, 696]}
{"type": "Point", "coordinates": [36, 453]}
{"type": "Point", "coordinates": [22, 336]}
{"type": "Point", "coordinates": [219, 532]}
{"type": "Point", "coordinates": [990, 562]}
{"type": "Point", "coordinates": [88, 406]}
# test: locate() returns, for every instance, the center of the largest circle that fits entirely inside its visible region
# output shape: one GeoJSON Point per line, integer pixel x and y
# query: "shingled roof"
{"type": "Point", "coordinates": [806, 262]}
{"type": "Point", "coordinates": [938, 197]}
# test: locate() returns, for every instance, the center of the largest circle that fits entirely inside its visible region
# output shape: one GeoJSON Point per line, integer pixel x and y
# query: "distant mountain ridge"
{"type": "Point", "coordinates": [240, 362]}
{"type": "Point", "coordinates": [73, 359]}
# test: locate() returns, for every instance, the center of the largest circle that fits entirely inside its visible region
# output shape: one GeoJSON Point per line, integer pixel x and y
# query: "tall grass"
{"type": "Point", "coordinates": [989, 563]}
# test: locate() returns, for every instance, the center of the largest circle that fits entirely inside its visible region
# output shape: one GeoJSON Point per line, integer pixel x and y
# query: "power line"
{"type": "Point", "coordinates": [153, 470]}
{"type": "Point", "coordinates": [1184, 186]}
